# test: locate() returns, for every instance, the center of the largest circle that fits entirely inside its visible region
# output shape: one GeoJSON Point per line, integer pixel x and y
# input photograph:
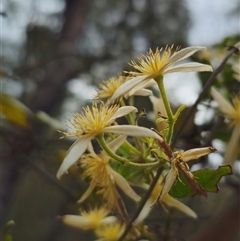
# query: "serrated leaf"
{"type": "Point", "coordinates": [207, 178]}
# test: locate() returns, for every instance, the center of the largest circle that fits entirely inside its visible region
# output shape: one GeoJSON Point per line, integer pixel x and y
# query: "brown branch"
{"type": "Point", "coordinates": [142, 203]}
{"type": "Point", "coordinates": [205, 89]}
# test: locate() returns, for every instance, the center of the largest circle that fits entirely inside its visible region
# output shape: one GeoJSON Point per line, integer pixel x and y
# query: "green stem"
{"type": "Point", "coordinates": [120, 159]}
{"type": "Point", "coordinates": [129, 145]}
{"type": "Point", "coordinates": [131, 120]}
{"type": "Point", "coordinates": [171, 120]}
{"type": "Point", "coordinates": [110, 153]}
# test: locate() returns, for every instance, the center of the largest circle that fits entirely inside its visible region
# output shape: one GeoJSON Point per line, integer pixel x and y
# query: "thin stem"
{"type": "Point", "coordinates": [171, 120]}
{"type": "Point", "coordinates": [142, 203]}
{"type": "Point", "coordinates": [128, 144]}
{"type": "Point", "coordinates": [205, 89]}
{"type": "Point", "coordinates": [107, 149]}
{"type": "Point", "coordinates": [122, 160]}
{"type": "Point", "coordinates": [131, 120]}
{"type": "Point", "coordinates": [123, 211]}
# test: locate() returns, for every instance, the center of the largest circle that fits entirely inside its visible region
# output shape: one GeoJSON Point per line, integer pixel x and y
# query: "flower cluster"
{"type": "Point", "coordinates": [131, 152]}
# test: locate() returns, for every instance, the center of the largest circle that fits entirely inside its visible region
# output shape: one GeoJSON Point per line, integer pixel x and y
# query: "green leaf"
{"type": "Point", "coordinates": [207, 178]}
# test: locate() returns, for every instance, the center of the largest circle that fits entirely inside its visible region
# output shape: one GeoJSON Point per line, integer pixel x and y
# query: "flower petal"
{"type": "Point", "coordinates": [196, 153]}
{"type": "Point", "coordinates": [143, 92]}
{"type": "Point", "coordinates": [144, 212]}
{"type": "Point", "coordinates": [224, 106]}
{"type": "Point", "coordinates": [169, 181]}
{"type": "Point", "coordinates": [131, 130]}
{"type": "Point", "coordinates": [90, 148]}
{"type": "Point", "coordinates": [189, 67]}
{"type": "Point", "coordinates": [75, 151]}
{"type": "Point", "coordinates": [158, 107]}
{"type": "Point", "coordinates": [232, 147]}
{"type": "Point", "coordinates": [123, 184]}
{"type": "Point", "coordinates": [116, 143]}
{"type": "Point", "coordinates": [76, 221]}
{"type": "Point", "coordinates": [185, 53]}
{"type": "Point", "coordinates": [109, 220]}
{"type": "Point", "coordinates": [87, 193]}
{"type": "Point", "coordinates": [127, 86]}
{"type": "Point", "coordinates": [140, 86]}
{"type": "Point", "coordinates": [172, 202]}
{"type": "Point", "coordinates": [122, 111]}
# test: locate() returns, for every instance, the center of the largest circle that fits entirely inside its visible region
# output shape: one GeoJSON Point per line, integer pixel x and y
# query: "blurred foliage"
{"type": "Point", "coordinates": [6, 236]}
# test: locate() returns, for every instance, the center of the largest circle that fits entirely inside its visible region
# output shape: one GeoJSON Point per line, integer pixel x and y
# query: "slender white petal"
{"type": "Point", "coordinates": [75, 151]}
{"type": "Point", "coordinates": [143, 92]}
{"type": "Point", "coordinates": [189, 67]}
{"type": "Point", "coordinates": [90, 148]}
{"type": "Point", "coordinates": [232, 147]}
{"type": "Point", "coordinates": [76, 221]}
{"type": "Point", "coordinates": [185, 53]}
{"type": "Point", "coordinates": [133, 131]}
{"type": "Point", "coordinates": [150, 83]}
{"type": "Point", "coordinates": [123, 184]}
{"type": "Point", "coordinates": [172, 202]}
{"type": "Point", "coordinates": [127, 86]}
{"type": "Point", "coordinates": [196, 153]}
{"type": "Point", "coordinates": [116, 143]}
{"type": "Point", "coordinates": [143, 84]}
{"type": "Point", "coordinates": [109, 220]}
{"type": "Point", "coordinates": [169, 181]}
{"type": "Point", "coordinates": [224, 106]}
{"type": "Point", "coordinates": [122, 111]}
{"type": "Point", "coordinates": [159, 107]}
{"type": "Point", "coordinates": [145, 211]}
{"type": "Point", "coordinates": [87, 192]}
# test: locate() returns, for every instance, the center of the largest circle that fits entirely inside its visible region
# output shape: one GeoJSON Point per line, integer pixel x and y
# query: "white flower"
{"type": "Point", "coordinates": [155, 66]}
{"type": "Point", "coordinates": [165, 200]}
{"type": "Point", "coordinates": [232, 113]}
{"type": "Point", "coordinates": [89, 220]}
{"type": "Point", "coordinates": [96, 121]}
{"type": "Point", "coordinates": [107, 88]}
{"type": "Point", "coordinates": [178, 162]}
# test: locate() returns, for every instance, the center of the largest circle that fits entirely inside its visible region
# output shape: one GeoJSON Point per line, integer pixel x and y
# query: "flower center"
{"type": "Point", "coordinates": [93, 120]}
{"type": "Point", "coordinates": [154, 64]}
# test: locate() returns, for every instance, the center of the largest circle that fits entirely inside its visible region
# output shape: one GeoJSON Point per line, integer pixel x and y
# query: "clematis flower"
{"type": "Point", "coordinates": [232, 113]}
{"type": "Point", "coordinates": [158, 108]}
{"type": "Point", "coordinates": [110, 232]}
{"type": "Point", "coordinates": [156, 65]}
{"type": "Point", "coordinates": [89, 220]}
{"type": "Point", "coordinates": [102, 176]}
{"type": "Point", "coordinates": [165, 200]}
{"type": "Point", "coordinates": [95, 121]}
{"type": "Point", "coordinates": [178, 161]}
{"type": "Point", "coordinates": [107, 88]}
